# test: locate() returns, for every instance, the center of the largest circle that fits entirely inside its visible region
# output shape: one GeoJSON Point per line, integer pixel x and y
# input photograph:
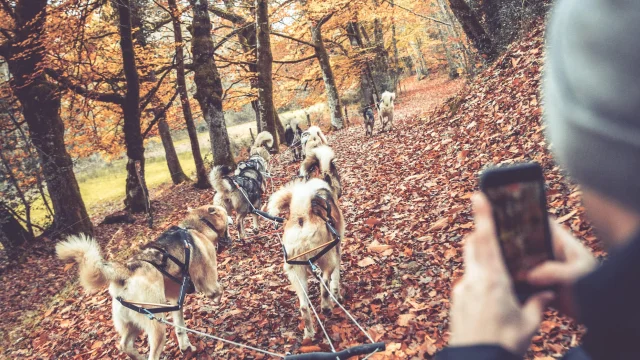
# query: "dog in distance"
{"type": "Point", "coordinates": [386, 109]}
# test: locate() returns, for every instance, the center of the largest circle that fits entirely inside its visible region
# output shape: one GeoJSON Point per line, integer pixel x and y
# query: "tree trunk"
{"type": "Point", "coordinates": [381, 62]}
{"type": "Point", "coordinates": [136, 190]}
{"type": "Point", "coordinates": [333, 99]}
{"type": "Point", "coordinates": [453, 70]}
{"type": "Point", "coordinates": [12, 234]}
{"type": "Point", "coordinates": [473, 29]}
{"type": "Point", "coordinates": [396, 62]}
{"type": "Point", "coordinates": [264, 60]}
{"type": "Point", "coordinates": [464, 54]}
{"type": "Point", "coordinates": [248, 41]}
{"type": "Point", "coordinates": [173, 163]}
{"type": "Point", "coordinates": [366, 86]}
{"type": "Point", "coordinates": [208, 84]}
{"type": "Point", "coordinates": [202, 182]}
{"type": "Point", "coordinates": [41, 109]}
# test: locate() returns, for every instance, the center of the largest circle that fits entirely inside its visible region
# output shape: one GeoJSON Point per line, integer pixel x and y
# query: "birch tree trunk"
{"type": "Point", "coordinates": [208, 83]}
{"type": "Point", "coordinates": [202, 182]}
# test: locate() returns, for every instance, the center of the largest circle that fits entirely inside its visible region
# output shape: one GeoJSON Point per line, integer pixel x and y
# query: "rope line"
{"type": "Point", "coordinates": [314, 312]}
{"type": "Point", "coordinates": [152, 317]}
{"type": "Point", "coordinates": [313, 266]}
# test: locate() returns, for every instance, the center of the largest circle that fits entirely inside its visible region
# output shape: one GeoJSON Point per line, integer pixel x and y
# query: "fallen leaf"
{"type": "Point", "coordinates": [366, 262]}
{"type": "Point", "coordinates": [308, 349]}
{"type": "Point", "coordinates": [562, 219]}
{"type": "Point", "coordinates": [403, 320]}
{"type": "Point", "coordinates": [440, 224]}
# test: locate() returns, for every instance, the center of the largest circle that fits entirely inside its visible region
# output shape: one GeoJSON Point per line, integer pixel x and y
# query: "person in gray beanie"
{"type": "Point", "coordinates": [591, 92]}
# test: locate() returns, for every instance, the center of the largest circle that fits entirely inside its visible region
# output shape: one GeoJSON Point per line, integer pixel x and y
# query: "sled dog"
{"type": "Point", "coordinates": [139, 280]}
{"type": "Point", "coordinates": [307, 203]}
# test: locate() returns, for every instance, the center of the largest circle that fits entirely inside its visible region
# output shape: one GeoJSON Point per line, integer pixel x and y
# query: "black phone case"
{"type": "Point", "coordinates": [526, 172]}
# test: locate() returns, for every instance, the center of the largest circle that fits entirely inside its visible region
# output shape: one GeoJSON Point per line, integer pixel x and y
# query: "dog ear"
{"type": "Point", "coordinates": [393, 96]}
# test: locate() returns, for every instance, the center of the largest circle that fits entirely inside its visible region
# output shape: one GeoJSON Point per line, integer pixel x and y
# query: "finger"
{"type": "Point", "coordinates": [534, 307]}
{"type": "Point", "coordinates": [551, 273]}
{"type": "Point", "coordinates": [485, 246]}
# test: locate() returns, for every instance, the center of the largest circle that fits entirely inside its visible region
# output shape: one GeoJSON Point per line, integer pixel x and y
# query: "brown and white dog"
{"type": "Point", "coordinates": [137, 280]}
{"type": "Point", "coordinates": [320, 163]}
{"type": "Point", "coordinates": [261, 146]}
{"type": "Point", "coordinates": [312, 138]}
{"type": "Point", "coordinates": [231, 198]}
{"type": "Point", "coordinates": [386, 109]}
{"type": "Point", "coordinates": [304, 230]}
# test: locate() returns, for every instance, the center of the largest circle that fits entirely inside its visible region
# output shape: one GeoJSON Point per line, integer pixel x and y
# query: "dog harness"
{"type": "Point", "coordinates": [326, 247]}
{"type": "Point", "coordinates": [186, 285]}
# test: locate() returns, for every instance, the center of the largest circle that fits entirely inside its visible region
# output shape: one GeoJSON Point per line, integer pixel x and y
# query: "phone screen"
{"type": "Point", "coordinates": [520, 217]}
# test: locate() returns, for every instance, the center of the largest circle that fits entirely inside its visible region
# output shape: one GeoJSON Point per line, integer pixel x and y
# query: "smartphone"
{"type": "Point", "coordinates": [517, 196]}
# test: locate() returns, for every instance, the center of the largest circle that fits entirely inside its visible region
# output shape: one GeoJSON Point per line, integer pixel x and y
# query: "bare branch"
{"type": "Point", "coordinates": [113, 98]}
{"type": "Point", "coordinates": [146, 99]}
{"type": "Point", "coordinates": [416, 14]}
{"type": "Point", "coordinates": [294, 61]}
{"type": "Point", "coordinates": [159, 115]}
{"type": "Point", "coordinates": [292, 38]}
{"type": "Point", "coordinates": [227, 15]}
{"type": "Point", "coordinates": [230, 35]}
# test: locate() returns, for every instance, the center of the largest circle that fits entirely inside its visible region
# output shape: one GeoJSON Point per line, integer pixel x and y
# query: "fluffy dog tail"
{"type": "Point", "coordinates": [264, 139]}
{"type": "Point", "coordinates": [280, 200]}
{"type": "Point", "coordinates": [314, 130]}
{"type": "Point", "coordinates": [319, 157]}
{"type": "Point", "coordinates": [217, 178]}
{"type": "Point", "coordinates": [95, 273]}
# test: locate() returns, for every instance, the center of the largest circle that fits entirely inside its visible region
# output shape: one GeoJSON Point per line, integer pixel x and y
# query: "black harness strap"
{"type": "Point", "coordinates": [185, 283]}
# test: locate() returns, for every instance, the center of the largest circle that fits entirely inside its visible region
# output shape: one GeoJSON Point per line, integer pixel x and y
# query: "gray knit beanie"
{"type": "Point", "coordinates": [591, 93]}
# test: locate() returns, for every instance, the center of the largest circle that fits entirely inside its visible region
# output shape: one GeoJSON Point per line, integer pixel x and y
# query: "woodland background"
{"type": "Point", "coordinates": [104, 102]}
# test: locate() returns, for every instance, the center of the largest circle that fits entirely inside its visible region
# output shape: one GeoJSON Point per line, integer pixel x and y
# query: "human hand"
{"type": "Point", "coordinates": [484, 309]}
{"type": "Point", "coordinates": [572, 261]}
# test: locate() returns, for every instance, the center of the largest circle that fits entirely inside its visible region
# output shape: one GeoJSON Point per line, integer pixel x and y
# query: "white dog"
{"type": "Point", "coordinates": [386, 109]}
{"type": "Point", "coordinates": [305, 230]}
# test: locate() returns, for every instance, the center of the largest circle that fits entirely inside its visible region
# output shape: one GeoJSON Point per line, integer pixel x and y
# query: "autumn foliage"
{"type": "Point", "coordinates": [406, 203]}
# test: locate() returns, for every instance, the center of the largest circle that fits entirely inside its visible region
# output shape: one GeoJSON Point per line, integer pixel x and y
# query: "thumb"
{"type": "Point", "coordinates": [551, 273]}
{"type": "Point", "coordinates": [534, 307]}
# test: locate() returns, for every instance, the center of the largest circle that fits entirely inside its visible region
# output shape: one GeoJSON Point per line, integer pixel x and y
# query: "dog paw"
{"type": "Point", "coordinates": [309, 334]}
{"type": "Point", "coordinates": [187, 347]}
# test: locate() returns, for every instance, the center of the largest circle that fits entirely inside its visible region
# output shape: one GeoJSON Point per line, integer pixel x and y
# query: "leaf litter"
{"type": "Point", "coordinates": [406, 203]}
